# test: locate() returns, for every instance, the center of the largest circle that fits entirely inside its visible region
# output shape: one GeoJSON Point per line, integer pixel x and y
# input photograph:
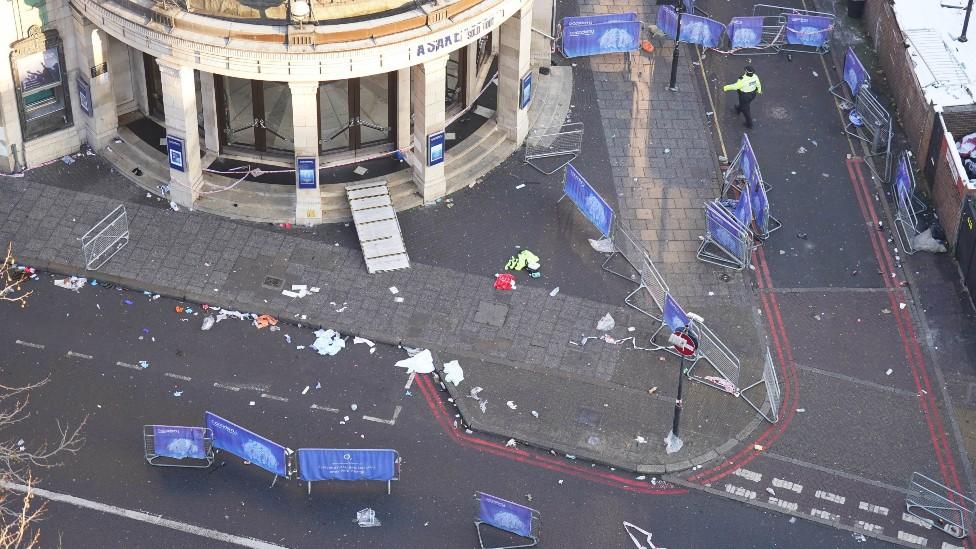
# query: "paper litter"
{"type": "Point", "coordinates": [328, 342]}
{"type": "Point", "coordinates": [263, 321]}
{"type": "Point", "coordinates": [357, 340]}
{"type": "Point", "coordinates": [208, 323]}
{"type": "Point", "coordinates": [72, 283]}
{"type": "Point", "coordinates": [453, 373]}
{"type": "Point", "coordinates": [606, 323]}
{"type": "Point", "coordinates": [421, 363]}
{"type": "Point", "coordinates": [511, 404]}
{"type": "Point", "coordinates": [604, 245]}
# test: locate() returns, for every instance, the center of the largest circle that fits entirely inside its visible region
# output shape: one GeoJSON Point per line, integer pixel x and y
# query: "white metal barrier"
{"type": "Point", "coordinates": [650, 283]}
{"type": "Point", "coordinates": [940, 506]}
{"type": "Point", "coordinates": [555, 143]}
{"type": "Point", "coordinates": [106, 238]}
{"type": "Point", "coordinates": [871, 123]}
{"type": "Point", "coordinates": [773, 394]}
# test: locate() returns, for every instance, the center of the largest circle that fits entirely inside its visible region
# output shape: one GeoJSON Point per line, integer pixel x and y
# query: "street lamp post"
{"type": "Point", "coordinates": [672, 85]}
{"type": "Point", "coordinates": [965, 22]}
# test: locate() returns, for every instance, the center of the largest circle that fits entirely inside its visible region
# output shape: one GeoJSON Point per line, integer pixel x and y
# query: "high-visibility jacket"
{"type": "Point", "coordinates": [746, 83]}
{"type": "Point", "coordinates": [522, 260]}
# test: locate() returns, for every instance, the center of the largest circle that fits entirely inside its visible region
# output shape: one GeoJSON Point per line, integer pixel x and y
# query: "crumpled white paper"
{"type": "Point", "coordinates": [606, 323]}
{"type": "Point", "coordinates": [421, 363]}
{"type": "Point", "coordinates": [328, 342]}
{"type": "Point", "coordinates": [453, 373]}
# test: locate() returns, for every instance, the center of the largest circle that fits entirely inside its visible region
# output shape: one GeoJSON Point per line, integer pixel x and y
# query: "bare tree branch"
{"type": "Point", "coordinates": [11, 278]}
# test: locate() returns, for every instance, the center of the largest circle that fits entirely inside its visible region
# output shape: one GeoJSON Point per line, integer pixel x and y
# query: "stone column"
{"type": "Point", "coordinates": [542, 14]}
{"type": "Point", "coordinates": [471, 74]}
{"type": "Point", "coordinates": [515, 36]}
{"type": "Point", "coordinates": [403, 109]}
{"type": "Point", "coordinates": [208, 96]}
{"type": "Point", "coordinates": [11, 138]}
{"type": "Point", "coordinates": [180, 104]}
{"type": "Point", "coordinates": [429, 81]}
{"type": "Point", "coordinates": [304, 108]}
{"type": "Point", "coordinates": [92, 47]}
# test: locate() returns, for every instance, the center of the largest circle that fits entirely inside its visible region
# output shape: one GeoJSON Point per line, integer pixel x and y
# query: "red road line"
{"type": "Point", "coordinates": [443, 417]}
{"type": "Point", "coordinates": [913, 351]}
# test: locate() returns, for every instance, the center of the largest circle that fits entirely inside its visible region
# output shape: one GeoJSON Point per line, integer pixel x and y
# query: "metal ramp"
{"type": "Point", "coordinates": [377, 227]}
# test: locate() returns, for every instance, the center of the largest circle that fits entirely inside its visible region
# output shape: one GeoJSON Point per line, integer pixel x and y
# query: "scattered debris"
{"type": "Point", "coordinates": [73, 283]}
{"type": "Point", "coordinates": [640, 440]}
{"type": "Point", "coordinates": [770, 490]}
{"type": "Point", "coordinates": [519, 186]}
{"type": "Point", "coordinates": [208, 322]}
{"type": "Point", "coordinates": [511, 443]}
{"type": "Point", "coordinates": [801, 410]}
{"type": "Point", "coordinates": [511, 404]}
{"type": "Point", "coordinates": [394, 290]}
{"type": "Point", "coordinates": [652, 390]}
{"type": "Point", "coordinates": [554, 292]}
{"type": "Point", "coordinates": [889, 372]}
{"type": "Point", "coordinates": [504, 281]}
{"type": "Point", "coordinates": [535, 414]}
{"type": "Point", "coordinates": [604, 245]}
{"type": "Point", "coordinates": [801, 150]}
{"type": "Point", "coordinates": [801, 236]}
{"type": "Point", "coordinates": [263, 321]}
{"type": "Point", "coordinates": [453, 373]}
{"type": "Point", "coordinates": [360, 170]}
{"type": "Point", "coordinates": [858, 537]}
{"type": "Point", "coordinates": [177, 393]}
{"type": "Point", "coordinates": [328, 342]}
{"type": "Point", "coordinates": [305, 390]}
{"type": "Point", "coordinates": [357, 340]}
{"type": "Point", "coordinates": [174, 206]}
{"type": "Point", "coordinates": [902, 306]}
{"type": "Point", "coordinates": [421, 363]}
{"type": "Point", "coordinates": [606, 323]}
{"type": "Point", "coordinates": [367, 518]}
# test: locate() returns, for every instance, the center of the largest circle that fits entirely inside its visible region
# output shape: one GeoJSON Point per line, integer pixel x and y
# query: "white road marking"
{"type": "Point", "coordinates": [830, 497]}
{"type": "Point", "coordinates": [324, 408]}
{"type": "Point", "coordinates": [410, 379]}
{"type": "Point", "coordinates": [788, 505]}
{"type": "Point", "coordinates": [869, 527]}
{"type": "Point", "coordinates": [912, 538]}
{"type": "Point", "coordinates": [228, 387]}
{"type": "Point", "coordinates": [872, 508]}
{"type": "Point", "coordinates": [29, 344]}
{"type": "Point", "coordinates": [748, 475]}
{"type": "Point", "coordinates": [908, 517]}
{"type": "Point", "coordinates": [780, 483]}
{"type": "Point", "coordinates": [396, 414]}
{"type": "Point", "coordinates": [947, 545]}
{"type": "Point", "coordinates": [739, 491]}
{"type": "Point", "coordinates": [127, 365]}
{"type": "Point", "coordinates": [274, 397]}
{"type": "Point", "coordinates": [178, 376]}
{"type": "Point", "coordinates": [825, 515]}
{"type": "Point", "coordinates": [143, 517]}
{"type": "Point", "coordinates": [79, 355]}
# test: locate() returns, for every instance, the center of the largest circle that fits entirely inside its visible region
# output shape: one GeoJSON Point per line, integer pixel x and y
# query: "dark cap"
{"type": "Point", "coordinates": [749, 70]}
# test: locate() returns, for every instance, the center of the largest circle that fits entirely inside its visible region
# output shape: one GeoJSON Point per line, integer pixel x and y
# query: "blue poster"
{"type": "Point", "coordinates": [745, 32]}
{"type": "Point", "coordinates": [808, 30]}
{"type": "Point", "coordinates": [525, 91]}
{"type": "Point", "coordinates": [587, 200]}
{"type": "Point", "coordinates": [593, 35]}
{"type": "Point", "coordinates": [334, 464]}
{"type": "Point", "coordinates": [724, 230]}
{"type": "Point", "coordinates": [306, 172]}
{"type": "Point", "coordinates": [435, 148]}
{"type": "Point", "coordinates": [903, 182]}
{"type": "Point", "coordinates": [247, 445]}
{"type": "Point", "coordinates": [854, 72]}
{"type": "Point", "coordinates": [174, 148]}
{"type": "Point", "coordinates": [703, 31]}
{"type": "Point", "coordinates": [667, 21]}
{"type": "Point", "coordinates": [179, 442]}
{"type": "Point", "coordinates": [760, 207]}
{"type": "Point", "coordinates": [505, 515]}
{"type": "Point", "coordinates": [674, 316]}
{"type": "Point", "coordinates": [743, 208]}
{"type": "Point", "coordinates": [84, 96]}
{"type": "Point", "coordinates": [747, 160]}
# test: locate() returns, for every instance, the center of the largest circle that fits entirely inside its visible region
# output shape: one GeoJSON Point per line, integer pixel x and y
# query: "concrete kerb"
{"type": "Point", "coordinates": [468, 415]}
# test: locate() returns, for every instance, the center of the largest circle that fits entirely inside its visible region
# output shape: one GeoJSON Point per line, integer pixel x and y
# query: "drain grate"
{"type": "Point", "coordinates": [589, 417]}
{"type": "Point", "coordinates": [273, 283]}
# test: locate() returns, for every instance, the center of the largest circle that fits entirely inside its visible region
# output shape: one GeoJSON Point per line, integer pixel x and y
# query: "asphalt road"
{"type": "Point", "coordinates": [581, 505]}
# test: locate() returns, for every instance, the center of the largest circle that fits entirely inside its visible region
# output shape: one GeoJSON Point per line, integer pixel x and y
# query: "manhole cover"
{"type": "Point", "coordinates": [589, 417]}
{"type": "Point", "coordinates": [273, 283]}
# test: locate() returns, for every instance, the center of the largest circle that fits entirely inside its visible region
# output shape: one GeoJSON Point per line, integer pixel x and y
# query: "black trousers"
{"type": "Point", "coordinates": [745, 99]}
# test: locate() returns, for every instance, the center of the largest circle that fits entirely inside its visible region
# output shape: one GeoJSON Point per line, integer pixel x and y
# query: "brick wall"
{"type": "Point", "coordinates": [917, 116]}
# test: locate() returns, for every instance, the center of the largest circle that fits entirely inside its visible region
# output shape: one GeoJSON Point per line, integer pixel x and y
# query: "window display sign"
{"type": "Point", "coordinates": [174, 148]}
{"type": "Point", "coordinates": [84, 96]}
{"type": "Point", "coordinates": [525, 91]}
{"type": "Point", "coordinates": [306, 172]}
{"type": "Point", "coordinates": [39, 70]}
{"type": "Point", "coordinates": [435, 148]}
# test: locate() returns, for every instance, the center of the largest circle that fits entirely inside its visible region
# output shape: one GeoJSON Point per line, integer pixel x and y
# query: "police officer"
{"type": "Point", "coordinates": [748, 85]}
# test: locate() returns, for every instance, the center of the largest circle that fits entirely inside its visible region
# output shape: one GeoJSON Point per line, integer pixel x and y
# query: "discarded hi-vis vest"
{"type": "Point", "coordinates": [522, 260]}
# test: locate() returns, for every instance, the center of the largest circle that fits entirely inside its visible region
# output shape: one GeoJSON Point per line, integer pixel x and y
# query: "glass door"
{"type": "Point", "coordinates": [154, 87]}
